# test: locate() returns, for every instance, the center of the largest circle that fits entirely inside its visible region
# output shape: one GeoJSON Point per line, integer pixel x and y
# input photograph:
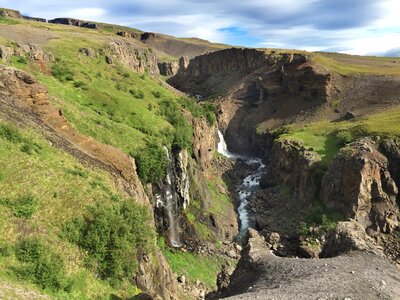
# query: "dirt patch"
{"type": "Point", "coordinates": [22, 34]}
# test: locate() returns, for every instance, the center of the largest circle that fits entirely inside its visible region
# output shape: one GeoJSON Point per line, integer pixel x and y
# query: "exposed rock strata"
{"type": "Point", "coordinates": [168, 68]}
{"type": "Point", "coordinates": [292, 165]}
{"type": "Point", "coordinates": [358, 184]}
{"type": "Point", "coordinates": [138, 60]}
{"type": "Point", "coordinates": [74, 22]}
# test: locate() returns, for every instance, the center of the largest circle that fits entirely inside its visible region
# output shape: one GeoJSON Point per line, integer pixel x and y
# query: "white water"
{"type": "Point", "coordinates": [250, 183]}
{"type": "Point", "coordinates": [171, 204]}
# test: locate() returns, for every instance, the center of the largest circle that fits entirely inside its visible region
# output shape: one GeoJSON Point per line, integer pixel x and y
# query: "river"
{"type": "Point", "coordinates": [249, 184]}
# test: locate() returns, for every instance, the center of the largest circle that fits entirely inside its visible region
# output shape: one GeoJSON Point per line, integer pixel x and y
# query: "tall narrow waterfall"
{"type": "Point", "coordinates": [249, 185]}
{"type": "Point", "coordinates": [170, 201]}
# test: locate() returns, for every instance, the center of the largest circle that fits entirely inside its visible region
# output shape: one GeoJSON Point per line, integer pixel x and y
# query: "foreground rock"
{"type": "Point", "coordinates": [357, 275]}
{"type": "Point", "coordinates": [358, 185]}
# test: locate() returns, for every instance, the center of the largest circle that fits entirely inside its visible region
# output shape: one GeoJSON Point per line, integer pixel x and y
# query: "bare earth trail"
{"type": "Point", "coordinates": [356, 276]}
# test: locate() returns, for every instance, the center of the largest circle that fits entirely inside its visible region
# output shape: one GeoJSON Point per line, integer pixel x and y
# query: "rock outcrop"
{"type": "Point", "coordinates": [31, 51]}
{"type": "Point", "coordinates": [10, 13]}
{"type": "Point", "coordinates": [168, 68]}
{"type": "Point", "coordinates": [292, 165]}
{"type": "Point", "coordinates": [204, 141]}
{"type": "Point", "coordinates": [349, 236]}
{"type": "Point", "coordinates": [200, 74]}
{"type": "Point", "coordinates": [358, 185]}
{"type": "Point", "coordinates": [138, 60]}
{"type": "Point", "coordinates": [74, 22]}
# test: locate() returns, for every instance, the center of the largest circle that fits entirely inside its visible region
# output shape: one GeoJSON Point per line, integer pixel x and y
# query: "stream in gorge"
{"type": "Point", "coordinates": [249, 184]}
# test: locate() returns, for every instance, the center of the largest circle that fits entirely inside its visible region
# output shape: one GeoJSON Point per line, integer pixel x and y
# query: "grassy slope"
{"type": "Point", "coordinates": [96, 99]}
{"type": "Point", "coordinates": [327, 137]}
{"type": "Point", "coordinates": [63, 188]}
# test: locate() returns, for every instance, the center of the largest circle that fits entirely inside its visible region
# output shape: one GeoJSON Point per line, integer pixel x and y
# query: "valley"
{"type": "Point", "coordinates": [137, 165]}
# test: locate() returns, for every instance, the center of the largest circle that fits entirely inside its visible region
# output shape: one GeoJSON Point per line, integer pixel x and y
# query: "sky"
{"type": "Point", "coordinates": [363, 27]}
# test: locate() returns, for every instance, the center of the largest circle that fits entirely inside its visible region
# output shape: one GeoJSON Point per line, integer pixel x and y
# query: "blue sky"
{"type": "Point", "coordinates": [349, 26]}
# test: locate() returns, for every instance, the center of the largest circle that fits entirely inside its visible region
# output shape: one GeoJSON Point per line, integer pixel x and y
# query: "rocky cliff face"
{"type": "Point", "coordinates": [168, 68]}
{"type": "Point", "coordinates": [359, 185]}
{"type": "Point", "coordinates": [199, 75]}
{"type": "Point", "coordinates": [292, 165]}
{"type": "Point", "coordinates": [74, 22]}
{"type": "Point", "coordinates": [259, 89]}
{"type": "Point", "coordinates": [34, 52]}
{"type": "Point", "coordinates": [138, 60]}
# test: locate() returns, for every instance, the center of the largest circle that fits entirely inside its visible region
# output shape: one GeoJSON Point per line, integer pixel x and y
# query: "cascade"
{"type": "Point", "coordinates": [250, 183]}
{"type": "Point", "coordinates": [169, 200]}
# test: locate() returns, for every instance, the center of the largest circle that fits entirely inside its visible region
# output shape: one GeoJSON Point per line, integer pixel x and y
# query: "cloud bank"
{"type": "Point", "coordinates": [349, 26]}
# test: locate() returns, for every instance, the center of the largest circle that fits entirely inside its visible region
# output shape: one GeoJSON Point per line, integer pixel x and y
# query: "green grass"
{"type": "Point", "coordinates": [221, 203]}
{"type": "Point", "coordinates": [8, 21]}
{"type": "Point", "coordinates": [204, 268]}
{"type": "Point", "coordinates": [40, 193]}
{"type": "Point", "coordinates": [326, 138]}
{"type": "Point", "coordinates": [356, 65]}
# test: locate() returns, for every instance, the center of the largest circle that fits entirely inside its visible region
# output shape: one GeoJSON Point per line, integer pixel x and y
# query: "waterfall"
{"type": "Point", "coordinates": [223, 148]}
{"type": "Point", "coordinates": [250, 183]}
{"type": "Point", "coordinates": [170, 202]}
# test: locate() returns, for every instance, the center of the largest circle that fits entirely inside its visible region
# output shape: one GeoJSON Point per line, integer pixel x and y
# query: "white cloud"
{"type": "Point", "coordinates": [86, 13]}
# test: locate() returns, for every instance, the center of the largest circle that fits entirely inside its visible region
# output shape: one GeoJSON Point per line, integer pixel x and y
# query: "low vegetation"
{"type": "Point", "coordinates": [318, 216]}
{"type": "Point", "coordinates": [112, 235]}
{"type": "Point", "coordinates": [326, 138]}
{"type": "Point", "coordinates": [35, 209]}
{"type": "Point", "coordinates": [204, 268]}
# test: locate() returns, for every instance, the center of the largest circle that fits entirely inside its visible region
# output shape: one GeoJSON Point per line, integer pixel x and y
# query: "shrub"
{"type": "Point", "coordinates": [112, 235]}
{"type": "Point", "coordinates": [317, 215]}
{"type": "Point", "coordinates": [80, 85]}
{"type": "Point", "coordinates": [138, 94]}
{"type": "Point", "coordinates": [183, 131]}
{"type": "Point", "coordinates": [206, 109]}
{"type": "Point", "coordinates": [10, 133]}
{"type": "Point", "coordinates": [22, 60]}
{"type": "Point", "coordinates": [61, 72]}
{"type": "Point", "coordinates": [6, 250]}
{"type": "Point", "coordinates": [41, 265]}
{"type": "Point", "coordinates": [23, 207]}
{"type": "Point", "coordinates": [29, 147]}
{"type": "Point", "coordinates": [151, 163]}
{"type": "Point", "coordinates": [343, 137]}
{"type": "Point", "coordinates": [156, 94]}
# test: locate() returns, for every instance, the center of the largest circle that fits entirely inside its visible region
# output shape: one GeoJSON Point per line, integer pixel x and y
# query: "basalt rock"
{"type": "Point", "coordinates": [35, 19]}
{"type": "Point", "coordinates": [204, 141]}
{"type": "Point", "coordinates": [6, 53]}
{"type": "Point", "coordinates": [391, 149]}
{"type": "Point", "coordinates": [203, 67]}
{"type": "Point", "coordinates": [168, 68]}
{"type": "Point", "coordinates": [293, 165]}
{"type": "Point", "coordinates": [138, 60]}
{"type": "Point", "coordinates": [74, 22]}
{"type": "Point", "coordinates": [10, 13]}
{"type": "Point", "coordinates": [359, 186]}
{"type": "Point", "coordinates": [349, 236]}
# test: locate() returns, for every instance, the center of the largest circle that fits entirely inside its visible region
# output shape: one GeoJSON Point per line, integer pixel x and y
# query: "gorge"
{"type": "Point", "coordinates": [137, 164]}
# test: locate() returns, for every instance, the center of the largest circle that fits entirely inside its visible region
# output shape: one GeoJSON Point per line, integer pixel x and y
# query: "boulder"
{"type": "Point", "coordinates": [359, 186]}
{"type": "Point", "coordinates": [6, 53]}
{"type": "Point", "coordinates": [349, 236]}
{"type": "Point", "coordinates": [88, 52]}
